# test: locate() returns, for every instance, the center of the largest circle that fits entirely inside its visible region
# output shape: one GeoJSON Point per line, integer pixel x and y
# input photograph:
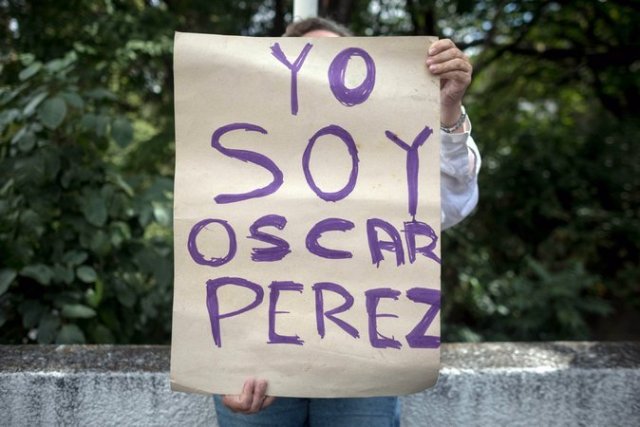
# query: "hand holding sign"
{"type": "Point", "coordinates": [252, 399]}
{"type": "Point", "coordinates": [453, 67]}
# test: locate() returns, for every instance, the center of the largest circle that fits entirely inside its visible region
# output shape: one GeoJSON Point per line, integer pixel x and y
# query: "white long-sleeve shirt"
{"type": "Point", "coordinates": [459, 166]}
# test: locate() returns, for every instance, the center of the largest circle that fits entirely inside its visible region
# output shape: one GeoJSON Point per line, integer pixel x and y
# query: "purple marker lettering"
{"type": "Point", "coordinates": [319, 288]}
{"type": "Point", "coordinates": [353, 152]}
{"type": "Point", "coordinates": [414, 228]}
{"type": "Point", "coordinates": [276, 287]}
{"type": "Point", "coordinates": [329, 224]}
{"type": "Point", "coordinates": [213, 305]}
{"type": "Point", "coordinates": [280, 246]}
{"type": "Point", "coordinates": [337, 71]}
{"type": "Point", "coordinates": [295, 67]}
{"type": "Point", "coordinates": [417, 338]}
{"type": "Point", "coordinates": [413, 164]}
{"type": "Point", "coordinates": [199, 258]}
{"type": "Point", "coordinates": [376, 245]}
{"type": "Point", "coordinates": [246, 156]}
{"type": "Point", "coordinates": [373, 296]}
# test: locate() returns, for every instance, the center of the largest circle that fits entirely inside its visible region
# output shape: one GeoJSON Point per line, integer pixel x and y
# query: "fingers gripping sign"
{"type": "Point", "coordinates": [446, 61]}
{"type": "Point", "coordinates": [252, 399]}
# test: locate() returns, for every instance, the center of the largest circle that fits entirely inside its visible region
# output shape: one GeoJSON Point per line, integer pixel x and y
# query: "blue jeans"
{"type": "Point", "coordinates": [301, 412]}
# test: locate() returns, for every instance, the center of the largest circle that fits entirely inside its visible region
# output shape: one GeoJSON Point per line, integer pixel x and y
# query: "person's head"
{"type": "Point", "coordinates": [316, 27]}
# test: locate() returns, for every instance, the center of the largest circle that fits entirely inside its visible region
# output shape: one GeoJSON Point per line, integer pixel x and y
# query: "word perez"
{"type": "Point", "coordinates": [416, 338]}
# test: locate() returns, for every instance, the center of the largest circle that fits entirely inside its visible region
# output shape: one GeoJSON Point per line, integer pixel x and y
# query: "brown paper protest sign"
{"type": "Point", "coordinates": [307, 215]}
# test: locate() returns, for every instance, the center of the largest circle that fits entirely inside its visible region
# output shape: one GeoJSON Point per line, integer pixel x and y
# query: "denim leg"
{"type": "Point", "coordinates": [283, 412]}
{"type": "Point", "coordinates": [355, 412]}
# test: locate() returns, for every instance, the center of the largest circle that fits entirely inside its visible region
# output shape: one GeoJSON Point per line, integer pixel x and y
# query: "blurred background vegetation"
{"type": "Point", "coordinates": [87, 142]}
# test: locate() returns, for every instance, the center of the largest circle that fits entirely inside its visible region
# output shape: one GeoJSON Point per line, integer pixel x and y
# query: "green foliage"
{"type": "Point", "coordinates": [84, 256]}
{"type": "Point", "coordinates": [553, 251]}
{"type": "Point", "coordinates": [554, 243]}
{"type": "Point", "coordinates": [86, 162]}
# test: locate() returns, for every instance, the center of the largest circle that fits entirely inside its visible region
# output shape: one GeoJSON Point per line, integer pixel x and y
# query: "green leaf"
{"type": "Point", "coordinates": [100, 243]}
{"type": "Point", "coordinates": [102, 124]}
{"type": "Point", "coordinates": [25, 139]}
{"type": "Point", "coordinates": [30, 220]}
{"type": "Point", "coordinates": [87, 274]}
{"type": "Point", "coordinates": [31, 311]}
{"type": "Point", "coordinates": [27, 142]}
{"type": "Point", "coordinates": [74, 257]}
{"type": "Point", "coordinates": [73, 99]}
{"type": "Point", "coordinates": [126, 296]}
{"type": "Point", "coordinates": [70, 334]}
{"type": "Point", "coordinates": [38, 272]}
{"type": "Point", "coordinates": [50, 157]}
{"type": "Point", "coordinates": [47, 328]}
{"type": "Point", "coordinates": [30, 71]}
{"type": "Point", "coordinates": [145, 215]}
{"type": "Point", "coordinates": [7, 117]}
{"type": "Point", "coordinates": [94, 296]}
{"type": "Point", "coordinates": [7, 276]}
{"type": "Point", "coordinates": [161, 214]}
{"type": "Point", "coordinates": [120, 232]}
{"type": "Point", "coordinates": [122, 184]}
{"type": "Point", "coordinates": [26, 58]}
{"type": "Point", "coordinates": [4, 190]}
{"type": "Point", "coordinates": [102, 335]}
{"type": "Point", "coordinates": [67, 178]}
{"type": "Point", "coordinates": [33, 104]}
{"type": "Point", "coordinates": [88, 121]}
{"type": "Point", "coordinates": [122, 131]}
{"type": "Point", "coordinates": [19, 134]}
{"type": "Point", "coordinates": [6, 95]}
{"type": "Point", "coordinates": [94, 209]}
{"type": "Point", "coordinates": [109, 317]}
{"type": "Point", "coordinates": [62, 274]}
{"type": "Point", "coordinates": [77, 311]}
{"type": "Point", "coordinates": [52, 112]}
{"type": "Point", "coordinates": [57, 65]}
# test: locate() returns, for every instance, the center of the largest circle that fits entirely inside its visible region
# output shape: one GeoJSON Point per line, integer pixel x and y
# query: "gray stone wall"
{"type": "Point", "coordinates": [501, 384]}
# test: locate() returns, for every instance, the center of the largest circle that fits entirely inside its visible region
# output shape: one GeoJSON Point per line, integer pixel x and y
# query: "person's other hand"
{"type": "Point", "coordinates": [252, 399]}
{"type": "Point", "coordinates": [454, 69]}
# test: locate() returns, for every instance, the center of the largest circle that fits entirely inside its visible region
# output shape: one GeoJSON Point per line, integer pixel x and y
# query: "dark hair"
{"type": "Point", "coordinates": [300, 28]}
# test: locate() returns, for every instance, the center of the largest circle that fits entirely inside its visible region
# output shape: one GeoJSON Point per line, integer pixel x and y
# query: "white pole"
{"type": "Point", "coordinates": [303, 9]}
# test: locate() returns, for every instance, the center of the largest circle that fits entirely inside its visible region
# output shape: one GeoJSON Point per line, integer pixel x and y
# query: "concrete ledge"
{"type": "Point", "coordinates": [594, 384]}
